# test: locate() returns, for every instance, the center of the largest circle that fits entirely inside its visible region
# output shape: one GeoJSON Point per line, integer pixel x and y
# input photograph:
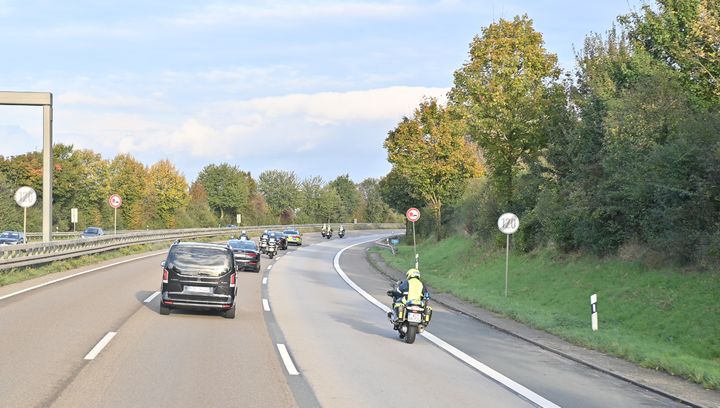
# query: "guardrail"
{"type": "Point", "coordinates": [30, 254]}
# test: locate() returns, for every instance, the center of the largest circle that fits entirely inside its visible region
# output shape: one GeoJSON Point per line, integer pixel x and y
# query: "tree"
{"type": "Point", "coordinates": [373, 206]}
{"type": "Point", "coordinates": [227, 188]}
{"type": "Point", "coordinates": [311, 196]}
{"type": "Point", "coordinates": [128, 178]}
{"type": "Point", "coordinates": [330, 204]}
{"type": "Point", "coordinates": [430, 152]}
{"type": "Point", "coordinates": [281, 190]}
{"type": "Point", "coordinates": [500, 93]}
{"type": "Point", "coordinates": [685, 35]}
{"type": "Point", "coordinates": [167, 192]}
{"type": "Point", "coordinates": [349, 197]}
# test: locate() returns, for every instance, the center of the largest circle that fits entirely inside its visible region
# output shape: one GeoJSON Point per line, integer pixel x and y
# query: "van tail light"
{"type": "Point", "coordinates": [165, 275]}
{"type": "Point", "coordinates": [232, 280]}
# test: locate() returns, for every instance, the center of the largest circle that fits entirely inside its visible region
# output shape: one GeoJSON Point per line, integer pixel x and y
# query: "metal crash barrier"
{"type": "Point", "coordinates": [23, 255]}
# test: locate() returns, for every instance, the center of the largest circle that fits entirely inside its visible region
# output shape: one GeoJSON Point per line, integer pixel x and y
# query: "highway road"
{"type": "Point", "coordinates": [302, 336]}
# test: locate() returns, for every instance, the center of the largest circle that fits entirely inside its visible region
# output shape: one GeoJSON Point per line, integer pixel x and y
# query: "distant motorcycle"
{"type": "Point", "coordinates": [272, 248]}
{"type": "Point", "coordinates": [263, 244]}
{"type": "Point", "coordinates": [412, 317]}
{"type": "Point", "coordinates": [328, 234]}
{"type": "Point", "coordinates": [341, 233]}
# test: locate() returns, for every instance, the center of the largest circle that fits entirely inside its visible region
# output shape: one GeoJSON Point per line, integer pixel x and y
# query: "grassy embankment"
{"type": "Point", "coordinates": [662, 319]}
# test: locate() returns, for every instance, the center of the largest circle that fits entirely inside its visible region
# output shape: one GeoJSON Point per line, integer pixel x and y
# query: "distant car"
{"type": "Point", "coordinates": [281, 238]}
{"type": "Point", "coordinates": [199, 276]}
{"type": "Point", "coordinates": [293, 237]}
{"type": "Point", "coordinates": [92, 232]}
{"type": "Point", "coordinates": [246, 253]}
{"type": "Point", "coordinates": [12, 238]}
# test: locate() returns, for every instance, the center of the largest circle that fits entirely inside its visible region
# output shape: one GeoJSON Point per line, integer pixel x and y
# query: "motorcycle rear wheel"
{"type": "Point", "coordinates": [411, 332]}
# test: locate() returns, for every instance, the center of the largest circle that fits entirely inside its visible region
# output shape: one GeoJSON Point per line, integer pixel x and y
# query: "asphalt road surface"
{"type": "Point", "coordinates": [302, 336]}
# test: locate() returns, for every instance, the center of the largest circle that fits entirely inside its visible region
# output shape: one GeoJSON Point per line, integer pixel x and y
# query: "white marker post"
{"type": "Point", "coordinates": [74, 217]}
{"type": "Point", "coordinates": [115, 202]}
{"type": "Point", "coordinates": [413, 214]}
{"type": "Point", "coordinates": [25, 197]}
{"type": "Point", "coordinates": [593, 312]}
{"type": "Point", "coordinates": [508, 223]}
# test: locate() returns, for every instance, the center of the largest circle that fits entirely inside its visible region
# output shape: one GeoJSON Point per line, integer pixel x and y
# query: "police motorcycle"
{"type": "Point", "coordinates": [324, 230]}
{"type": "Point", "coordinates": [412, 316]}
{"type": "Point", "coordinates": [263, 243]}
{"type": "Point", "coordinates": [341, 232]}
{"type": "Point", "coordinates": [272, 246]}
{"type": "Point", "coordinates": [328, 233]}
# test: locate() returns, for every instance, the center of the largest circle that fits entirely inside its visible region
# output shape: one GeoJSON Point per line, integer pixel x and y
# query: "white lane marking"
{"type": "Point", "coordinates": [289, 366]}
{"type": "Point", "coordinates": [266, 305]}
{"type": "Point", "coordinates": [515, 387]}
{"type": "Point", "coordinates": [269, 267]}
{"type": "Point", "coordinates": [278, 257]}
{"type": "Point", "coordinates": [98, 347]}
{"type": "Point", "coordinates": [265, 281]}
{"type": "Point", "coordinates": [151, 297]}
{"type": "Point", "coordinates": [74, 275]}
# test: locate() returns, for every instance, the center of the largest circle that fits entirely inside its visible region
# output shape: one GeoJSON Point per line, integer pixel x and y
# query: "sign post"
{"type": "Point", "coordinates": [593, 312]}
{"type": "Point", "coordinates": [413, 214]}
{"type": "Point", "coordinates": [508, 223]}
{"type": "Point", "coordinates": [115, 202]}
{"type": "Point", "coordinates": [25, 197]}
{"type": "Point", "coordinates": [239, 219]}
{"type": "Point", "coordinates": [74, 217]}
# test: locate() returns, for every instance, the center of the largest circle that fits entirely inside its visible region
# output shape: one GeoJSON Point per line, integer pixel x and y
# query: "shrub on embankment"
{"type": "Point", "coordinates": [665, 319]}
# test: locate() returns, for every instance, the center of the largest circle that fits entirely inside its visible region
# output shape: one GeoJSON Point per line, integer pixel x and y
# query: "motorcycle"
{"type": "Point", "coordinates": [412, 316]}
{"type": "Point", "coordinates": [263, 244]}
{"type": "Point", "coordinates": [328, 234]}
{"type": "Point", "coordinates": [323, 232]}
{"type": "Point", "coordinates": [271, 248]}
{"type": "Point", "coordinates": [341, 233]}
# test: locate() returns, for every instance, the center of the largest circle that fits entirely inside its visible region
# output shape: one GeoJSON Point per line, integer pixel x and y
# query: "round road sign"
{"type": "Point", "coordinates": [115, 201]}
{"type": "Point", "coordinates": [412, 214]}
{"type": "Point", "coordinates": [508, 223]}
{"type": "Point", "coordinates": [25, 197]}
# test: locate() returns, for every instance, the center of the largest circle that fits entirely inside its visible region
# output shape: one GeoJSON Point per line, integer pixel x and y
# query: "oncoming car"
{"type": "Point", "coordinates": [199, 276]}
{"type": "Point", "coordinates": [92, 232]}
{"type": "Point", "coordinates": [247, 254]}
{"type": "Point", "coordinates": [293, 237]}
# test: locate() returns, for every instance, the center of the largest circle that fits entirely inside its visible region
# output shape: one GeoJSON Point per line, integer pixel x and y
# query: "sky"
{"type": "Point", "coordinates": [310, 86]}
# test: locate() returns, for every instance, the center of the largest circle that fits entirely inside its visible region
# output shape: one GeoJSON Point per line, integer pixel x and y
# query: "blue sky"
{"type": "Point", "coordinates": [309, 86]}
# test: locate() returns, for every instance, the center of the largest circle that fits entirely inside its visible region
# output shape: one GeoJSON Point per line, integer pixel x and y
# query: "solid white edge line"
{"type": "Point", "coordinates": [265, 281]}
{"type": "Point", "coordinates": [269, 267]}
{"type": "Point", "coordinates": [74, 275]}
{"type": "Point", "coordinates": [98, 347]}
{"type": "Point", "coordinates": [151, 297]}
{"type": "Point", "coordinates": [266, 305]}
{"type": "Point", "coordinates": [289, 366]}
{"type": "Point", "coordinates": [515, 387]}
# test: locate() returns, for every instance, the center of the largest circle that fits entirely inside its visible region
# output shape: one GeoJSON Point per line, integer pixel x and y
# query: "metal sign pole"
{"type": "Point", "coordinates": [414, 247]}
{"type": "Point", "coordinates": [25, 225]}
{"type": "Point", "coordinates": [116, 221]}
{"type": "Point", "coordinates": [507, 258]}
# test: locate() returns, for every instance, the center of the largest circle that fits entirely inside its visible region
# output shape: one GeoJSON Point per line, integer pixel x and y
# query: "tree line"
{"type": "Point", "coordinates": [159, 196]}
{"type": "Point", "coordinates": [622, 155]}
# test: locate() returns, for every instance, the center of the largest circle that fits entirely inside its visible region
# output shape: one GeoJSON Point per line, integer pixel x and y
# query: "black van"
{"type": "Point", "coordinates": [199, 276]}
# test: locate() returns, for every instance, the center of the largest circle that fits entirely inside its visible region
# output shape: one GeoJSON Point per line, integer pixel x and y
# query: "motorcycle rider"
{"type": "Point", "coordinates": [243, 235]}
{"type": "Point", "coordinates": [341, 230]}
{"type": "Point", "coordinates": [411, 289]}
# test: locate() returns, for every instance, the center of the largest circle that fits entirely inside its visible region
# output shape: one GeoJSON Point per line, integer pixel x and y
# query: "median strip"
{"type": "Point", "coordinates": [101, 345]}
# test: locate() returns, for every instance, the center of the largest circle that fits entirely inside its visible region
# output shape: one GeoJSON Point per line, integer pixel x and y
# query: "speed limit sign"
{"type": "Point", "coordinates": [412, 214]}
{"type": "Point", "coordinates": [115, 201]}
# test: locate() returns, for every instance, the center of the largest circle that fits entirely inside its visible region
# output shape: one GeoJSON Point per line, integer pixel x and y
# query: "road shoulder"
{"type": "Point", "coordinates": [672, 387]}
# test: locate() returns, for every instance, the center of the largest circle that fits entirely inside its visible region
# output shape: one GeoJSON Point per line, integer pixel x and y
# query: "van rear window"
{"type": "Point", "coordinates": [200, 261]}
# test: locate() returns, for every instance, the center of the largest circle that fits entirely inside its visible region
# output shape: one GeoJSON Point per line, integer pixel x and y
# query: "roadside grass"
{"type": "Point", "coordinates": [663, 319]}
{"type": "Point", "coordinates": [15, 275]}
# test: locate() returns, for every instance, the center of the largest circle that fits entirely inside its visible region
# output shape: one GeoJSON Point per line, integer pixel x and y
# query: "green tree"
{"type": "Point", "coordinates": [430, 152]}
{"type": "Point", "coordinates": [373, 207]}
{"type": "Point", "coordinates": [685, 35]}
{"type": "Point", "coordinates": [128, 178]}
{"type": "Point", "coordinates": [331, 207]}
{"type": "Point", "coordinates": [349, 196]}
{"type": "Point", "coordinates": [281, 190]}
{"type": "Point", "coordinates": [311, 196]}
{"type": "Point", "coordinates": [227, 187]}
{"type": "Point", "coordinates": [501, 94]}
